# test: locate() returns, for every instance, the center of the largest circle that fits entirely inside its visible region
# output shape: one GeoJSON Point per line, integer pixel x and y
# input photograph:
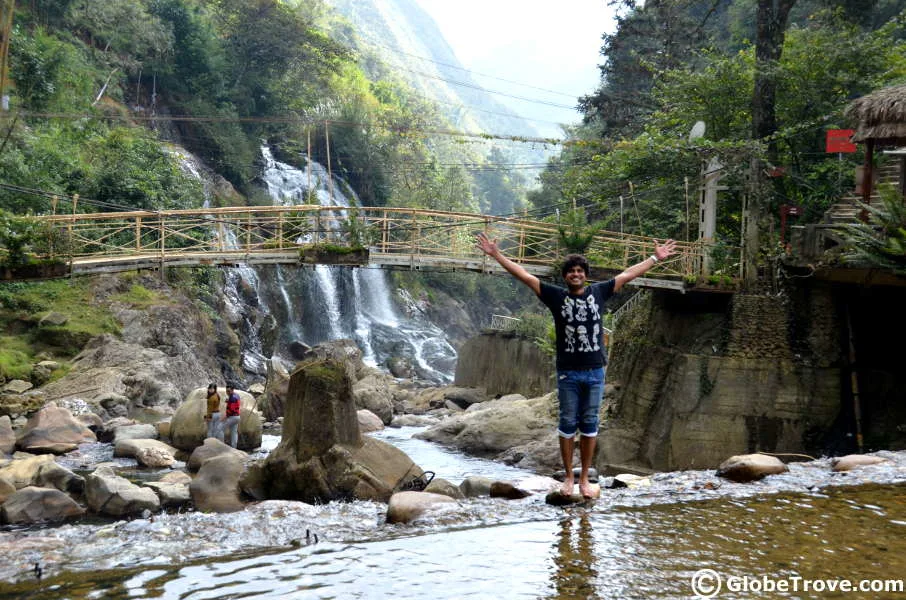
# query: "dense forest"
{"type": "Point", "coordinates": [98, 90]}
{"type": "Point", "coordinates": [766, 79]}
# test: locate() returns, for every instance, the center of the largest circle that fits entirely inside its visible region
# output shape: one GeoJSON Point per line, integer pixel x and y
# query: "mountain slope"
{"type": "Point", "coordinates": [409, 40]}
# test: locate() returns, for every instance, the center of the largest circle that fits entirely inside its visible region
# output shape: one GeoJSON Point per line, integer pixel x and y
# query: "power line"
{"type": "Point", "coordinates": [459, 68]}
{"type": "Point", "coordinates": [296, 120]}
{"type": "Point", "coordinates": [475, 86]}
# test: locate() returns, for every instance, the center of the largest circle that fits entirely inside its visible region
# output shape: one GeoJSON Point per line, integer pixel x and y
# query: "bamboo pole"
{"type": "Point", "coordinates": [329, 172]}
{"type": "Point", "coordinates": [308, 166]}
{"type": "Point", "coordinates": [163, 235]}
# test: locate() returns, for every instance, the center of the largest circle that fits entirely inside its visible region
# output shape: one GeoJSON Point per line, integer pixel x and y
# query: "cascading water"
{"type": "Point", "coordinates": [321, 303]}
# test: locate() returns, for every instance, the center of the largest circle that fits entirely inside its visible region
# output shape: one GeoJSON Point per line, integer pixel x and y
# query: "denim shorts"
{"type": "Point", "coordinates": [580, 394]}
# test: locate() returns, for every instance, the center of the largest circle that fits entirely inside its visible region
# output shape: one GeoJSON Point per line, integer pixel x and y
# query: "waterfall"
{"type": "Point", "coordinates": [325, 303]}
{"type": "Point", "coordinates": [274, 308]}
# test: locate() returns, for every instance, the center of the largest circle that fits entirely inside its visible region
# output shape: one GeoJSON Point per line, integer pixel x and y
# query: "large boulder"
{"type": "Point", "coordinates": [212, 448]}
{"type": "Point", "coordinates": [109, 494]}
{"type": "Point", "coordinates": [7, 436]}
{"type": "Point", "coordinates": [216, 488]}
{"type": "Point", "coordinates": [53, 429]}
{"type": "Point", "coordinates": [42, 471]}
{"type": "Point", "coordinates": [188, 429]}
{"type": "Point", "coordinates": [500, 427]}
{"type": "Point", "coordinates": [36, 505]}
{"type": "Point", "coordinates": [744, 468]}
{"type": "Point", "coordinates": [373, 393]}
{"type": "Point", "coordinates": [322, 456]}
{"type": "Point", "coordinates": [274, 398]}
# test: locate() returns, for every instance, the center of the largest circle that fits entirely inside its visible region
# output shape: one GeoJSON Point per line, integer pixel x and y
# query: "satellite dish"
{"type": "Point", "coordinates": [698, 131]}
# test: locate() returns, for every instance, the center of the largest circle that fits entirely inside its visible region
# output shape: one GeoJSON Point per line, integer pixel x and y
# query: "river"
{"type": "Point", "coordinates": [807, 527]}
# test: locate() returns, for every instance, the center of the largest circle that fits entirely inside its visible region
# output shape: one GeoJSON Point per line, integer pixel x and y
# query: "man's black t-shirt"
{"type": "Point", "coordinates": [577, 321]}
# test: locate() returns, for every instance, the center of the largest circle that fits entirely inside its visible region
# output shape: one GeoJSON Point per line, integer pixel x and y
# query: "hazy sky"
{"type": "Point", "coordinates": [550, 45]}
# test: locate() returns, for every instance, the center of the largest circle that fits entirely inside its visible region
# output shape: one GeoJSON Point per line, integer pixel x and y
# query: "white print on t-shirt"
{"type": "Point", "coordinates": [567, 310]}
{"type": "Point", "coordinates": [593, 307]}
{"type": "Point", "coordinates": [570, 338]}
{"type": "Point", "coordinates": [584, 344]}
{"type": "Point", "coordinates": [581, 310]}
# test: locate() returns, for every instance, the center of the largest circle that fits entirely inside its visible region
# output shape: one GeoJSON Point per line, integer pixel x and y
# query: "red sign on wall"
{"type": "Point", "coordinates": [838, 140]}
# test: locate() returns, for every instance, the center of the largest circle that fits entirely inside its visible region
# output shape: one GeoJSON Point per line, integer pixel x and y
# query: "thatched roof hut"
{"type": "Point", "coordinates": [880, 116]}
{"type": "Point", "coordinates": [880, 119]}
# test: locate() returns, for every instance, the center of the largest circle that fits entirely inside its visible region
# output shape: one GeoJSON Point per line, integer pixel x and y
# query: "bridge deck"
{"type": "Point", "coordinates": [395, 237]}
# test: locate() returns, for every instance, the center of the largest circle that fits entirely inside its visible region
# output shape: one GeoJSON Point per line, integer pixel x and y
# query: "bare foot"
{"type": "Point", "coordinates": [588, 489]}
{"type": "Point", "coordinates": [567, 488]}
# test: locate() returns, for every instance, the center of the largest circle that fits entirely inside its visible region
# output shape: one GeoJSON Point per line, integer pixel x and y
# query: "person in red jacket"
{"type": "Point", "coordinates": [231, 420]}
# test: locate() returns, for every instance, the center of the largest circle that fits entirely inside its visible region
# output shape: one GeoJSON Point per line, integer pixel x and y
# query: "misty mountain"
{"type": "Point", "coordinates": [409, 42]}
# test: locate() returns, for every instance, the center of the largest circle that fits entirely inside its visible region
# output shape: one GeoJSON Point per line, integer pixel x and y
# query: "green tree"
{"type": "Point", "coordinates": [129, 168]}
{"type": "Point", "coordinates": [498, 188]}
{"type": "Point", "coordinates": [122, 29]}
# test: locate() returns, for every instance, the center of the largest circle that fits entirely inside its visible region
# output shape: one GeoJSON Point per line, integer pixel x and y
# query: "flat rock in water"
{"type": "Point", "coordinates": [851, 461]}
{"type": "Point", "coordinates": [558, 498]}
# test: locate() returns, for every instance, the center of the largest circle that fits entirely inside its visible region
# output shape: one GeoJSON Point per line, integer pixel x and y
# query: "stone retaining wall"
{"type": "Point", "coordinates": [703, 379]}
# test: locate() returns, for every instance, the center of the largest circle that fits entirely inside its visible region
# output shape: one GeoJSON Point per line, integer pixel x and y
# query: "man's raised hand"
{"type": "Point", "coordinates": [662, 251]}
{"type": "Point", "coordinates": [485, 244]}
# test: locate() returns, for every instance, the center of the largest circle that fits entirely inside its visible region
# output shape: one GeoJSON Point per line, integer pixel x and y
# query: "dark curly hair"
{"type": "Point", "coordinates": [573, 260]}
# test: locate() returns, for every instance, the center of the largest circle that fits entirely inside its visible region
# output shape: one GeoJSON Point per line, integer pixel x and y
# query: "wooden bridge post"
{"type": "Point", "coordinates": [53, 211]}
{"type": "Point", "coordinates": [248, 232]}
{"type": "Point", "coordinates": [280, 230]}
{"type": "Point", "coordinates": [385, 233]}
{"type": "Point", "coordinates": [138, 234]}
{"type": "Point", "coordinates": [487, 233]}
{"type": "Point", "coordinates": [308, 166]}
{"type": "Point", "coordinates": [162, 234]}
{"type": "Point", "coordinates": [521, 252]}
{"type": "Point", "coordinates": [75, 202]}
{"type": "Point", "coordinates": [414, 237]}
{"type": "Point", "coordinates": [329, 171]}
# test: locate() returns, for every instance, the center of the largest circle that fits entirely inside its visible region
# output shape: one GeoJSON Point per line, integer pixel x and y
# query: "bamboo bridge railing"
{"type": "Point", "coordinates": [393, 237]}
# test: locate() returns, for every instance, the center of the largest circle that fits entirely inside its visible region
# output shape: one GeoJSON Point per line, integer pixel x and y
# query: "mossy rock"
{"type": "Point", "coordinates": [70, 340]}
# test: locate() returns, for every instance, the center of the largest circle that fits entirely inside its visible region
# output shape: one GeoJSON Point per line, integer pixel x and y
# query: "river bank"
{"type": "Point", "coordinates": [85, 559]}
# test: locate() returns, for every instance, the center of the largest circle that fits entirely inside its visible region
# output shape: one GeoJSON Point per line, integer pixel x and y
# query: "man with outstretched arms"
{"type": "Point", "coordinates": [581, 356]}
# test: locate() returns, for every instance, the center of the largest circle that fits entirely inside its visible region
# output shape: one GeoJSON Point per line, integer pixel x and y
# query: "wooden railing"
{"type": "Point", "coordinates": [393, 236]}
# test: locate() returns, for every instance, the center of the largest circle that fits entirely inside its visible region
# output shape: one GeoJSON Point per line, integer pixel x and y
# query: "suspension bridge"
{"type": "Point", "coordinates": [393, 238]}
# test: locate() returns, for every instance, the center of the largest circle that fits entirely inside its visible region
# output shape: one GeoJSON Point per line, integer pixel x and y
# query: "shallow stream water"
{"type": "Point", "coordinates": [806, 527]}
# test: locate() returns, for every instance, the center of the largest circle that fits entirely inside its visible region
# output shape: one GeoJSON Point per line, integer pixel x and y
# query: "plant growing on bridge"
{"type": "Point", "coordinates": [575, 232]}
{"type": "Point", "coordinates": [357, 232]}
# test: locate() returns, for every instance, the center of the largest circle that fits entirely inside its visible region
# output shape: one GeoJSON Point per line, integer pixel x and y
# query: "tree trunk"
{"type": "Point", "coordinates": [771, 20]}
{"type": "Point", "coordinates": [770, 31]}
